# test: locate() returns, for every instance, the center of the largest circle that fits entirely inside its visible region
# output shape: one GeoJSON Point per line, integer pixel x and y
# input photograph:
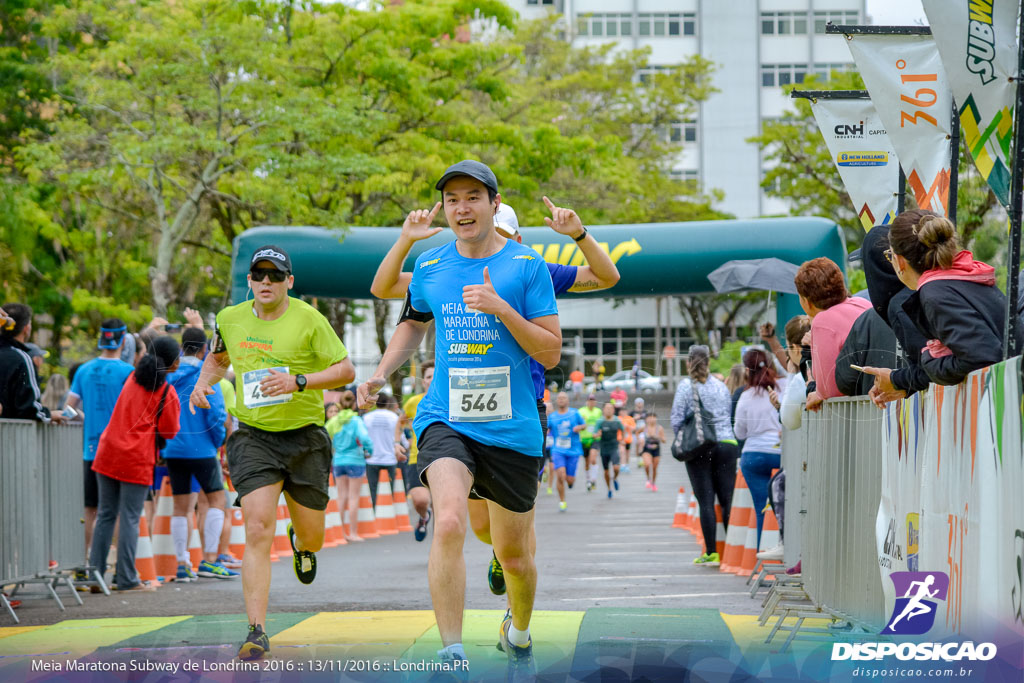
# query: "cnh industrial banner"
{"type": "Point", "coordinates": [977, 41]}
{"type": "Point", "coordinates": [909, 91]}
{"type": "Point", "coordinates": [951, 517]}
{"type": "Point", "coordinates": [863, 154]}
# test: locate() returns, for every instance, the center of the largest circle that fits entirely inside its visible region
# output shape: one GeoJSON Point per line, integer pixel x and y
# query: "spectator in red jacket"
{"type": "Point", "coordinates": [146, 412]}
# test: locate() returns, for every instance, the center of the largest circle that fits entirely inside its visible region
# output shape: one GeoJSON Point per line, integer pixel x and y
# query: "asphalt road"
{"type": "Point", "coordinates": [600, 553]}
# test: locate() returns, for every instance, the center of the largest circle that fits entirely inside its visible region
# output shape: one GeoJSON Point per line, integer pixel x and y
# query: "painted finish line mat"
{"type": "Point", "coordinates": [606, 644]}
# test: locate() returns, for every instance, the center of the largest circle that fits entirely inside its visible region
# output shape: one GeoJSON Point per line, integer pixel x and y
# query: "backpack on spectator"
{"type": "Point", "coordinates": [696, 436]}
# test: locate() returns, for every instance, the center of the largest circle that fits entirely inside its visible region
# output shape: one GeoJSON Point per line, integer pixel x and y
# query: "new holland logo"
{"type": "Point", "coordinates": [981, 41]}
{"type": "Point", "coordinates": [862, 159]}
{"type": "Point", "coordinates": [429, 263]}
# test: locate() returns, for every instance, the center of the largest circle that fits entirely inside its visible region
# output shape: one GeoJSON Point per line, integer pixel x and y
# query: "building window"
{"type": "Point", "coordinates": [821, 18]}
{"type": "Point", "coordinates": [783, 23]}
{"type": "Point", "coordinates": [824, 71]}
{"type": "Point", "coordinates": [646, 74]}
{"type": "Point", "coordinates": [690, 176]}
{"type": "Point", "coordinates": [540, 2]}
{"type": "Point", "coordinates": [679, 132]}
{"type": "Point", "coordinates": [662, 25]}
{"type": "Point", "coordinates": [782, 74]}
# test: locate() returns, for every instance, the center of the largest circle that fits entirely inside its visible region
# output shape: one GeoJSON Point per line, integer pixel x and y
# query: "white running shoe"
{"type": "Point", "coordinates": [776, 553]}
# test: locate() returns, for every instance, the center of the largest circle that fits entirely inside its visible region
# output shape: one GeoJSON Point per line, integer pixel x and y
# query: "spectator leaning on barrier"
{"type": "Point", "coordinates": [351, 444]}
{"type": "Point", "coordinates": [94, 391]}
{"type": "Point", "coordinates": [824, 298]}
{"type": "Point", "coordinates": [146, 411]}
{"type": "Point", "coordinates": [712, 475]}
{"type": "Point", "coordinates": [19, 388]}
{"type": "Point", "coordinates": [757, 421]}
{"type": "Point", "coordinates": [385, 429]}
{"type": "Point", "coordinates": [956, 302]}
{"type": "Point", "coordinates": [193, 453]}
{"type": "Point", "coordinates": [791, 408]}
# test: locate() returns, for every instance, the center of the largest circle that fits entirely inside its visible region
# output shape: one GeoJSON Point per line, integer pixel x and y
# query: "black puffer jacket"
{"type": "Point", "coordinates": [19, 390]}
{"type": "Point", "coordinates": [870, 342]}
{"type": "Point", "coordinates": [887, 296]}
{"type": "Point", "coordinates": [968, 317]}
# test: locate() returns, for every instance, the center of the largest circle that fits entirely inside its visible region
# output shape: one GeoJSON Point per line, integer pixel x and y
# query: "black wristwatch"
{"type": "Point", "coordinates": [582, 236]}
{"type": "Point", "coordinates": [300, 380]}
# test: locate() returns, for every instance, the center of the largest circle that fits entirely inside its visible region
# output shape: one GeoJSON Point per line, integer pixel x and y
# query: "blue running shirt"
{"type": "Point", "coordinates": [563, 278]}
{"type": "Point", "coordinates": [98, 383]}
{"type": "Point", "coordinates": [567, 442]}
{"type": "Point", "coordinates": [483, 386]}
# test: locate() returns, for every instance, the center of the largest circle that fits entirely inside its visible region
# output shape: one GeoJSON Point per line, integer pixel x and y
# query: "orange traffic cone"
{"type": "Point", "coordinates": [401, 506]}
{"type": "Point", "coordinates": [333, 533]}
{"type": "Point", "coordinates": [679, 519]}
{"type": "Point", "coordinates": [164, 557]}
{"type": "Point", "coordinates": [145, 565]}
{"type": "Point", "coordinates": [237, 543]}
{"type": "Point", "coordinates": [693, 516]}
{"type": "Point", "coordinates": [282, 546]}
{"type": "Point", "coordinates": [719, 531]}
{"type": "Point", "coordinates": [749, 560]}
{"type": "Point", "coordinates": [769, 531]}
{"type": "Point", "coordinates": [385, 510]}
{"type": "Point", "coordinates": [366, 523]}
{"type": "Point", "coordinates": [736, 536]}
{"type": "Point", "coordinates": [195, 546]}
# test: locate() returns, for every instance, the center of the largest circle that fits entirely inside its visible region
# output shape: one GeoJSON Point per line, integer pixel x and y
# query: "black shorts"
{"type": "Point", "coordinates": [301, 458]}
{"type": "Point", "coordinates": [609, 459]}
{"type": "Point", "coordinates": [92, 491]}
{"type": "Point", "coordinates": [655, 453]}
{"type": "Point", "coordinates": [411, 476]}
{"type": "Point", "coordinates": [205, 470]}
{"type": "Point", "coordinates": [501, 475]}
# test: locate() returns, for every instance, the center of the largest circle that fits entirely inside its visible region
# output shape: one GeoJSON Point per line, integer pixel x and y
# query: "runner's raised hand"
{"type": "Point", "coordinates": [417, 224]}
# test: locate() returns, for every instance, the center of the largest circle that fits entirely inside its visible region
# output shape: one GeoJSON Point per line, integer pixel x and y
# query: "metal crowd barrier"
{"type": "Point", "coordinates": [41, 501]}
{"type": "Point", "coordinates": [841, 446]}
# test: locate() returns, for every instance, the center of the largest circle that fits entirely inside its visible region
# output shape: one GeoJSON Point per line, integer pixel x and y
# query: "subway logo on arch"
{"type": "Point", "coordinates": [981, 40]}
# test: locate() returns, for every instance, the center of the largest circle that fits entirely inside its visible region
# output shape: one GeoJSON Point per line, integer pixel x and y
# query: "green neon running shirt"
{"type": "Point", "coordinates": [301, 340]}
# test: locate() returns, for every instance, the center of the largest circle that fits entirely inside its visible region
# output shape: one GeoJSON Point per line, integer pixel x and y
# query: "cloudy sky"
{"type": "Point", "coordinates": [896, 12]}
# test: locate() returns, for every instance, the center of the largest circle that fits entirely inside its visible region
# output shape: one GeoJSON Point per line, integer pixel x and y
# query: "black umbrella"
{"type": "Point", "coordinates": [765, 274]}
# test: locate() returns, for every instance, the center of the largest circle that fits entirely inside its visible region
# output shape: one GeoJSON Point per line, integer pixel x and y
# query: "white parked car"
{"type": "Point", "coordinates": [623, 379]}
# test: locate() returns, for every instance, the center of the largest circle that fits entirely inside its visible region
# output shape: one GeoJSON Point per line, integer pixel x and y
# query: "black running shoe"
{"type": "Point", "coordinates": [496, 576]}
{"type": "Point", "coordinates": [256, 644]}
{"type": "Point", "coordinates": [303, 561]}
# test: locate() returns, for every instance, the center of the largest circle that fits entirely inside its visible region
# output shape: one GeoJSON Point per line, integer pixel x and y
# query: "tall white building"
{"type": "Point", "coordinates": [757, 46]}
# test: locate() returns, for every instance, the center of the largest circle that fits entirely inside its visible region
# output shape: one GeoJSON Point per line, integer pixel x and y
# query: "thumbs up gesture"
{"type": "Point", "coordinates": [484, 298]}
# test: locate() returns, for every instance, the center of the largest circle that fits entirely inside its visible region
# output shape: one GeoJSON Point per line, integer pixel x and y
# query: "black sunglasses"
{"type": "Point", "coordinates": [275, 275]}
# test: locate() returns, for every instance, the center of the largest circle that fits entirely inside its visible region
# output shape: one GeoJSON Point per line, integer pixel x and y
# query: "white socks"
{"type": "Point", "coordinates": [212, 528]}
{"type": "Point", "coordinates": [179, 532]}
{"type": "Point", "coordinates": [517, 637]}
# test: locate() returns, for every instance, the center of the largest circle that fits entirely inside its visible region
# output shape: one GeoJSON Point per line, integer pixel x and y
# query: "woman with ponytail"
{"type": "Point", "coordinates": [757, 421]}
{"type": "Point", "coordinates": [956, 302]}
{"type": "Point", "coordinates": [145, 417]}
{"type": "Point", "coordinates": [712, 474]}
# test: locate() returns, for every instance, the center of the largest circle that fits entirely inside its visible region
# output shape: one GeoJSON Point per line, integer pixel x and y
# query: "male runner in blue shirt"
{"type": "Point", "coordinates": [478, 429]}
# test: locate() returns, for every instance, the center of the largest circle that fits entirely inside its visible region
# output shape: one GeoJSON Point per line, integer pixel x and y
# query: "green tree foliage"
{"type": "Point", "coordinates": [181, 123]}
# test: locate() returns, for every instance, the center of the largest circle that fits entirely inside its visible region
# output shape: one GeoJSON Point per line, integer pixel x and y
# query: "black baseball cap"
{"type": "Point", "coordinates": [854, 256]}
{"type": "Point", "coordinates": [472, 169]}
{"type": "Point", "coordinates": [273, 254]}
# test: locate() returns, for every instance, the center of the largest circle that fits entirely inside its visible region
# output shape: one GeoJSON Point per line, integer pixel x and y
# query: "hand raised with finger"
{"type": "Point", "coordinates": [417, 224]}
{"type": "Point", "coordinates": [563, 221]}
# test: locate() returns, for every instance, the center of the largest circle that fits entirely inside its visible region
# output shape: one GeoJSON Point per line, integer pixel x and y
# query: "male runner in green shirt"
{"type": "Point", "coordinates": [284, 354]}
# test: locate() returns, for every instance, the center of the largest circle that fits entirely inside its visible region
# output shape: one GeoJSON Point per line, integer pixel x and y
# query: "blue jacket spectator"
{"type": "Point", "coordinates": [203, 433]}
{"type": "Point", "coordinates": [350, 438]}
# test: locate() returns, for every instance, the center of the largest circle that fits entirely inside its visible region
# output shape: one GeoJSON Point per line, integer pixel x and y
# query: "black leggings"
{"type": "Point", "coordinates": [710, 476]}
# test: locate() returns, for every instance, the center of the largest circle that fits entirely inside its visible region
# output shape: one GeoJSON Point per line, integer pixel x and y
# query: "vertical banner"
{"type": "Point", "coordinates": [862, 153]}
{"type": "Point", "coordinates": [977, 40]}
{"type": "Point", "coordinates": [908, 87]}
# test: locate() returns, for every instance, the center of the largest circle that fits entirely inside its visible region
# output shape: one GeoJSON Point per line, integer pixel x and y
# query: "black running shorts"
{"type": "Point", "coordinates": [205, 470]}
{"type": "Point", "coordinates": [92, 490]}
{"type": "Point", "coordinates": [301, 458]}
{"type": "Point", "coordinates": [501, 475]}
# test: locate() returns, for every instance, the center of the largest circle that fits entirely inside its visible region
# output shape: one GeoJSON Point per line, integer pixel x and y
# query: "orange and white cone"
{"type": "Point", "coordinates": [749, 560]}
{"type": "Point", "coordinates": [195, 545]}
{"type": "Point", "coordinates": [739, 518]}
{"type": "Point", "coordinates": [401, 506]}
{"type": "Point", "coordinates": [282, 546]}
{"type": "Point", "coordinates": [164, 557]}
{"type": "Point", "coordinates": [719, 531]}
{"type": "Point", "coordinates": [385, 510]}
{"type": "Point", "coordinates": [769, 531]}
{"type": "Point", "coordinates": [679, 519]}
{"type": "Point", "coordinates": [333, 533]}
{"type": "Point", "coordinates": [145, 564]}
{"type": "Point", "coordinates": [693, 516]}
{"type": "Point", "coordinates": [366, 523]}
{"type": "Point", "coordinates": [237, 542]}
